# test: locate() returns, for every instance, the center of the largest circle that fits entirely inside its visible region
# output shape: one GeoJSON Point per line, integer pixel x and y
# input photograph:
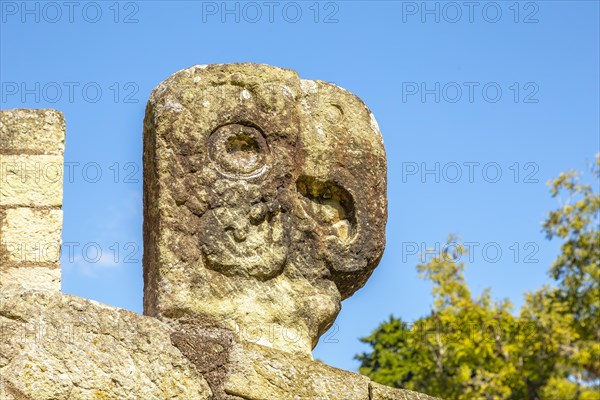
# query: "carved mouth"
{"type": "Point", "coordinates": [330, 205]}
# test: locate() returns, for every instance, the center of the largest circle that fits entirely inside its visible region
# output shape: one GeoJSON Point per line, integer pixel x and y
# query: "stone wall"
{"type": "Point", "coordinates": [56, 346]}
{"type": "Point", "coordinates": [32, 144]}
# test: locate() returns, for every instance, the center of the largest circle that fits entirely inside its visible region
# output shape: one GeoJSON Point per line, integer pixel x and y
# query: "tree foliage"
{"type": "Point", "coordinates": [472, 347]}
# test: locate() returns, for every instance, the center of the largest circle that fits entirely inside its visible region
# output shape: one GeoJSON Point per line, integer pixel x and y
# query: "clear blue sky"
{"type": "Point", "coordinates": [543, 56]}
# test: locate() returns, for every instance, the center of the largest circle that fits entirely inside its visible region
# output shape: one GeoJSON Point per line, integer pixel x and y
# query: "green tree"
{"type": "Point", "coordinates": [577, 273]}
{"type": "Point", "coordinates": [476, 348]}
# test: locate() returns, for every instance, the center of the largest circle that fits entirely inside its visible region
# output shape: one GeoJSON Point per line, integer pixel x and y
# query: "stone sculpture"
{"type": "Point", "coordinates": [265, 201]}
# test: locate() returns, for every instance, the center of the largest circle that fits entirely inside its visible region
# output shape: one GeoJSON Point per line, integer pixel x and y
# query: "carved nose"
{"type": "Point", "coordinates": [240, 234]}
{"type": "Point", "coordinates": [258, 213]}
{"type": "Point", "coordinates": [239, 229]}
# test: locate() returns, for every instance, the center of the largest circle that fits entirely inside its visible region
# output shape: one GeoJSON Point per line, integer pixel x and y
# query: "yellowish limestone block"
{"type": "Point", "coordinates": [259, 373]}
{"type": "Point", "coordinates": [32, 131]}
{"type": "Point", "coordinates": [32, 145]}
{"type": "Point", "coordinates": [57, 347]}
{"type": "Point", "coordinates": [30, 236]}
{"type": "Point", "coordinates": [381, 392]}
{"type": "Point", "coordinates": [31, 277]}
{"type": "Point", "coordinates": [31, 180]}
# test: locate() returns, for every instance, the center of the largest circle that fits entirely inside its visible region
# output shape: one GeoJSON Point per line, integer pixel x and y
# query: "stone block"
{"type": "Point", "coordinates": [57, 347]}
{"type": "Point", "coordinates": [31, 277]}
{"type": "Point", "coordinates": [32, 131]}
{"type": "Point", "coordinates": [30, 236]}
{"type": "Point", "coordinates": [260, 373]}
{"type": "Point", "coordinates": [381, 392]}
{"type": "Point", "coordinates": [31, 180]}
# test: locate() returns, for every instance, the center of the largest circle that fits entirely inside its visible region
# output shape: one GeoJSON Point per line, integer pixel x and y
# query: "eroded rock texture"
{"type": "Point", "coordinates": [55, 346]}
{"type": "Point", "coordinates": [60, 347]}
{"type": "Point", "coordinates": [264, 201]}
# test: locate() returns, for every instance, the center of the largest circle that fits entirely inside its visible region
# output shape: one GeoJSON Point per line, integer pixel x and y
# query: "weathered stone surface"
{"type": "Point", "coordinates": [258, 373]}
{"type": "Point", "coordinates": [57, 346]}
{"type": "Point", "coordinates": [30, 236]}
{"type": "Point", "coordinates": [264, 200]}
{"type": "Point", "coordinates": [31, 176]}
{"type": "Point", "coordinates": [381, 392]}
{"type": "Point", "coordinates": [32, 131]}
{"type": "Point", "coordinates": [208, 345]}
{"type": "Point", "coordinates": [31, 277]}
{"type": "Point", "coordinates": [31, 180]}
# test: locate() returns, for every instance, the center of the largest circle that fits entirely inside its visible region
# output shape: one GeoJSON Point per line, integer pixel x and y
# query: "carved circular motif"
{"type": "Point", "coordinates": [239, 151]}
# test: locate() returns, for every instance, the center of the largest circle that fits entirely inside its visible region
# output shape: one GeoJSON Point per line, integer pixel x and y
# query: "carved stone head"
{"type": "Point", "coordinates": [264, 201]}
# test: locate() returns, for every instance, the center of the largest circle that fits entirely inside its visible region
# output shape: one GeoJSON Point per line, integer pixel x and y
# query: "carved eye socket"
{"type": "Point", "coordinates": [238, 151]}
